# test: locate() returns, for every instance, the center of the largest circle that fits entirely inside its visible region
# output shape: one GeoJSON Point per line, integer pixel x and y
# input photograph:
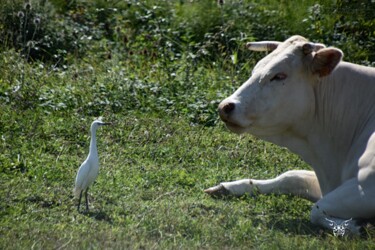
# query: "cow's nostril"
{"type": "Point", "coordinates": [228, 107]}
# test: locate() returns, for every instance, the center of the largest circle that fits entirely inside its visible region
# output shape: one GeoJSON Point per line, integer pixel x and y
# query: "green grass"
{"type": "Point", "coordinates": [149, 191]}
{"type": "Point", "coordinates": [165, 147]}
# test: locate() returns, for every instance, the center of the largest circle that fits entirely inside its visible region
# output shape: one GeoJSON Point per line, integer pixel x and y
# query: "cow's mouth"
{"type": "Point", "coordinates": [235, 127]}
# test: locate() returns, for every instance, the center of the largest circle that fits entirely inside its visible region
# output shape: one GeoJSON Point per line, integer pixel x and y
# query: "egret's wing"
{"type": "Point", "coordinates": [81, 178]}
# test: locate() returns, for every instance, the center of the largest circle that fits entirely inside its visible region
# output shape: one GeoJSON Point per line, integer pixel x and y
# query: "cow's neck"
{"type": "Point", "coordinates": [345, 107]}
{"type": "Point", "coordinates": [334, 133]}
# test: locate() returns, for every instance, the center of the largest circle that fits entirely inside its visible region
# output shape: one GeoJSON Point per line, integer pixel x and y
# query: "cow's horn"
{"type": "Point", "coordinates": [262, 46]}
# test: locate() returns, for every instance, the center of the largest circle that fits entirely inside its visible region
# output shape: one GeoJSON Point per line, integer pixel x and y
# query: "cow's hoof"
{"type": "Point", "coordinates": [218, 190]}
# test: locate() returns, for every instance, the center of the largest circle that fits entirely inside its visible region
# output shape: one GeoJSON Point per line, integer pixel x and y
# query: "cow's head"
{"type": "Point", "coordinates": [280, 90]}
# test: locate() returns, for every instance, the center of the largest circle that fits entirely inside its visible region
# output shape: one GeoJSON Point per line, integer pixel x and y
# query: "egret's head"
{"type": "Point", "coordinates": [98, 123]}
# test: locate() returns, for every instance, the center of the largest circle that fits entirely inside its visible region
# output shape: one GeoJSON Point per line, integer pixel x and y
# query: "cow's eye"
{"type": "Point", "coordinates": [279, 77]}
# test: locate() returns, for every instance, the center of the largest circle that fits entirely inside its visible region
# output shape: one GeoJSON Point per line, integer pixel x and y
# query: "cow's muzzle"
{"type": "Point", "coordinates": [226, 108]}
{"type": "Point", "coordinates": [229, 113]}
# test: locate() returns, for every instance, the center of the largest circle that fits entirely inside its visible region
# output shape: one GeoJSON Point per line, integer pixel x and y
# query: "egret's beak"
{"type": "Point", "coordinates": [106, 123]}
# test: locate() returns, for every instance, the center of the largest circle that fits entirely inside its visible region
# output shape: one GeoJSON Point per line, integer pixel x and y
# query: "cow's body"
{"type": "Point", "coordinates": [303, 97]}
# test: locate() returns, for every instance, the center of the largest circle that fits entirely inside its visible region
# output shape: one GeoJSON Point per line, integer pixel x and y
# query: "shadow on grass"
{"type": "Point", "coordinates": [299, 226]}
{"type": "Point", "coordinates": [305, 227]}
{"type": "Point", "coordinates": [281, 222]}
{"type": "Point", "coordinates": [295, 226]}
{"type": "Point", "coordinates": [98, 215]}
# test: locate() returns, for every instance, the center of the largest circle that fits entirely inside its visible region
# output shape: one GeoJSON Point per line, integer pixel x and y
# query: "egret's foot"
{"type": "Point", "coordinates": [217, 191]}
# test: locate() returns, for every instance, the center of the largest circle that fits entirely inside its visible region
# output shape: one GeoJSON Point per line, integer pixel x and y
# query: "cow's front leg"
{"type": "Point", "coordinates": [296, 182]}
{"type": "Point", "coordinates": [354, 200]}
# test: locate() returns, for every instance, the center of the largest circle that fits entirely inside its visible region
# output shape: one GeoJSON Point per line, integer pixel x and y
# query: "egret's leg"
{"type": "Point", "coordinates": [79, 201]}
{"type": "Point", "coordinates": [87, 201]}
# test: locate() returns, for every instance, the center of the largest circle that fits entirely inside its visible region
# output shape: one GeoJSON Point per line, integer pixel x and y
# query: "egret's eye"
{"type": "Point", "coordinates": [279, 77]}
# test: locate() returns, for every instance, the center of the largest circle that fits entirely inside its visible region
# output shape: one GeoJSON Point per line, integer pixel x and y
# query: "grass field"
{"type": "Point", "coordinates": [166, 144]}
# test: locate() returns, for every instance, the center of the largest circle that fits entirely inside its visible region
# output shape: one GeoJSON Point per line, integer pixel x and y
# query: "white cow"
{"type": "Point", "coordinates": [302, 96]}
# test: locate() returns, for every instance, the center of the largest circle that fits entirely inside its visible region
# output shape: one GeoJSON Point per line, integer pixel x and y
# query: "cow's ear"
{"type": "Point", "coordinates": [325, 60]}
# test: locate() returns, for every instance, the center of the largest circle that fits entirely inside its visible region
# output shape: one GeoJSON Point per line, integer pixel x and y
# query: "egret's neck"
{"type": "Point", "coordinates": [93, 149]}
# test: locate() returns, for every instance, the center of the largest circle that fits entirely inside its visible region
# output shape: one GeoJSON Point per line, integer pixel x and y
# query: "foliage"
{"type": "Point", "coordinates": [157, 69]}
{"type": "Point", "coordinates": [350, 27]}
{"type": "Point", "coordinates": [76, 29]}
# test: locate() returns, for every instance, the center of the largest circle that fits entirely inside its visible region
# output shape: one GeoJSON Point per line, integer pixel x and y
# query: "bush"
{"type": "Point", "coordinates": [59, 31]}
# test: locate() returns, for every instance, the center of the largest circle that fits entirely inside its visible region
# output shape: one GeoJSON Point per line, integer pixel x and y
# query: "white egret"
{"type": "Point", "coordinates": [89, 169]}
